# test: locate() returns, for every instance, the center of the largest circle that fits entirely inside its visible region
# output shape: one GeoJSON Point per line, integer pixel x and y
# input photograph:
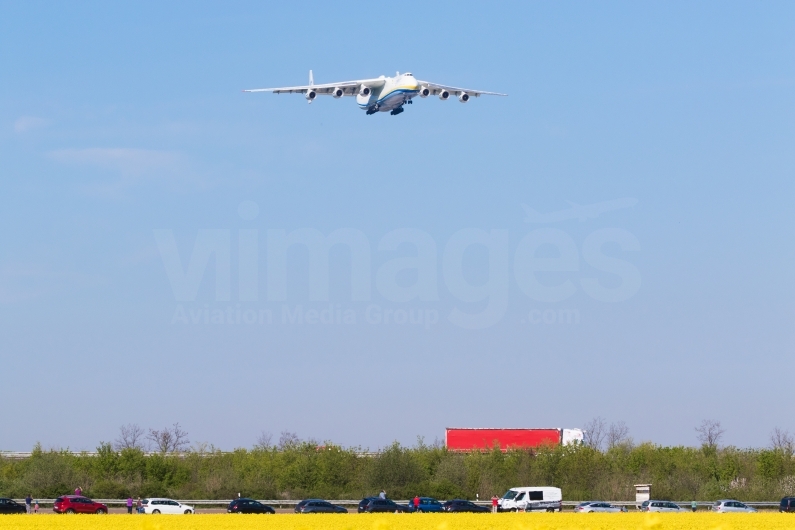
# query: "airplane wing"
{"type": "Point", "coordinates": [349, 88]}
{"type": "Point", "coordinates": [436, 89]}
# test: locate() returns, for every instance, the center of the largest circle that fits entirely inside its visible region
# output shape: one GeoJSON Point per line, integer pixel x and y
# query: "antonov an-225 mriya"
{"type": "Point", "coordinates": [383, 94]}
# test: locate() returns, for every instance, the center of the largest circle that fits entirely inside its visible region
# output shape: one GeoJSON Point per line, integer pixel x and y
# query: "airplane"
{"type": "Point", "coordinates": [382, 94]}
{"type": "Point", "coordinates": [577, 211]}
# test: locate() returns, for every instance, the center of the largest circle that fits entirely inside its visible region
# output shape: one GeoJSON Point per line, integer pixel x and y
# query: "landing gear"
{"type": "Point", "coordinates": [396, 111]}
{"type": "Point", "coordinates": [372, 110]}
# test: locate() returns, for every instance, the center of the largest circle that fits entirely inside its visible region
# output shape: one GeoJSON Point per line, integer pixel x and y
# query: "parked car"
{"type": "Point", "coordinates": [531, 498]}
{"type": "Point", "coordinates": [460, 505]}
{"type": "Point", "coordinates": [378, 505]}
{"type": "Point", "coordinates": [77, 504]}
{"type": "Point", "coordinates": [429, 504]}
{"type": "Point", "coordinates": [787, 505]}
{"type": "Point", "coordinates": [248, 506]}
{"type": "Point", "coordinates": [318, 506]}
{"type": "Point", "coordinates": [364, 502]}
{"type": "Point", "coordinates": [730, 505]}
{"type": "Point", "coordinates": [596, 507]}
{"type": "Point", "coordinates": [303, 503]}
{"type": "Point", "coordinates": [11, 506]}
{"type": "Point", "coordinates": [156, 506]}
{"type": "Point", "coordinates": [664, 506]}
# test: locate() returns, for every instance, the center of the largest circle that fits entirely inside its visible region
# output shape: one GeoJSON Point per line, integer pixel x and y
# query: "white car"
{"type": "Point", "coordinates": [664, 506]}
{"type": "Point", "coordinates": [167, 506]}
{"type": "Point", "coordinates": [528, 499]}
{"type": "Point", "coordinates": [727, 506]}
{"type": "Point", "coordinates": [596, 507]}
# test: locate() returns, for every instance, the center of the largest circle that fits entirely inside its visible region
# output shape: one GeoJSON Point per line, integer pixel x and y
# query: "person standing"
{"type": "Point", "coordinates": [129, 504]}
{"type": "Point", "coordinates": [36, 507]}
{"type": "Point", "coordinates": [417, 503]}
{"type": "Point", "coordinates": [79, 491]}
{"type": "Point", "coordinates": [382, 495]}
{"type": "Point", "coordinates": [694, 505]}
{"type": "Point", "coordinates": [28, 501]}
{"type": "Point", "coordinates": [139, 506]}
{"type": "Point", "coordinates": [494, 503]}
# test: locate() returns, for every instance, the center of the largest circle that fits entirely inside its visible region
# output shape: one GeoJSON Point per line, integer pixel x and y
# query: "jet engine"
{"type": "Point", "coordinates": [464, 97]}
{"type": "Point", "coordinates": [337, 92]}
{"type": "Point", "coordinates": [310, 95]}
{"type": "Point", "coordinates": [364, 91]}
{"type": "Point", "coordinates": [424, 91]}
{"type": "Point", "coordinates": [444, 95]}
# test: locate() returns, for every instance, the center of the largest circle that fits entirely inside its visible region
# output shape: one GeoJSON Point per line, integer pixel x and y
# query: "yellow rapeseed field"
{"type": "Point", "coordinates": [507, 521]}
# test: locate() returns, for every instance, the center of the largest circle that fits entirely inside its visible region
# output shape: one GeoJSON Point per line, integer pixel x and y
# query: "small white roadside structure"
{"type": "Point", "coordinates": [642, 494]}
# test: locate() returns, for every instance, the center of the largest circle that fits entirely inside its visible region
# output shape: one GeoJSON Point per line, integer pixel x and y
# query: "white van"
{"type": "Point", "coordinates": [531, 498]}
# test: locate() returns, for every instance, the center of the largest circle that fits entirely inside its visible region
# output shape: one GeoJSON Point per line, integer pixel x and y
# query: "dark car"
{"type": "Point", "coordinates": [318, 506]}
{"type": "Point", "coordinates": [248, 506]}
{"type": "Point", "coordinates": [303, 503]}
{"type": "Point", "coordinates": [11, 506]}
{"type": "Point", "coordinates": [364, 502]}
{"type": "Point", "coordinates": [386, 505]}
{"type": "Point", "coordinates": [77, 504]}
{"type": "Point", "coordinates": [460, 505]}
{"type": "Point", "coordinates": [787, 505]}
{"type": "Point", "coordinates": [428, 504]}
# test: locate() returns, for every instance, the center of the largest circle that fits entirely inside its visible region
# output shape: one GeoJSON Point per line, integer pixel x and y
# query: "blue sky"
{"type": "Point", "coordinates": [120, 120]}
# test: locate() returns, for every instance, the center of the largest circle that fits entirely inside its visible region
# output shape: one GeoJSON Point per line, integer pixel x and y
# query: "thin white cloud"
{"type": "Point", "coordinates": [126, 167]}
{"type": "Point", "coordinates": [127, 161]}
{"type": "Point", "coordinates": [24, 124]}
{"type": "Point", "coordinates": [19, 282]}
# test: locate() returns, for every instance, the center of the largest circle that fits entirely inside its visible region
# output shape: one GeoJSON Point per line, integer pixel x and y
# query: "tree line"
{"type": "Point", "coordinates": [606, 467]}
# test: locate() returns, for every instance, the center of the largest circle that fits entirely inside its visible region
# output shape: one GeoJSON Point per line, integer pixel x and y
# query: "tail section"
{"type": "Point", "coordinates": [311, 79]}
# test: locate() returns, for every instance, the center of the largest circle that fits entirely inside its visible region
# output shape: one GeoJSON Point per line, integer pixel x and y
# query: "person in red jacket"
{"type": "Point", "coordinates": [494, 503]}
{"type": "Point", "coordinates": [417, 503]}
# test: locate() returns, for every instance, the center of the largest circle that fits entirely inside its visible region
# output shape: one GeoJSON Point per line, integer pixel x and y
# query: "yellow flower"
{"type": "Point", "coordinates": [428, 521]}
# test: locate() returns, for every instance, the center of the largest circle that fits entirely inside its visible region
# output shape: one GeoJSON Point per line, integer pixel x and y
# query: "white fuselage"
{"type": "Point", "coordinates": [395, 92]}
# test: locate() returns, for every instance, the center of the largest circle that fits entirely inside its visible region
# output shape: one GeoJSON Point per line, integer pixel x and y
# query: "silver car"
{"type": "Point", "coordinates": [596, 507]}
{"type": "Point", "coordinates": [664, 506]}
{"type": "Point", "coordinates": [729, 505]}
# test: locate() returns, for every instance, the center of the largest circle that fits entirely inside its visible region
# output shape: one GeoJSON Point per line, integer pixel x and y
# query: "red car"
{"type": "Point", "coordinates": [77, 504]}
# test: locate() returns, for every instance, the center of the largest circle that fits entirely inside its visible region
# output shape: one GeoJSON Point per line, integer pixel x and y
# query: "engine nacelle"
{"type": "Point", "coordinates": [337, 92]}
{"type": "Point", "coordinates": [364, 91]}
{"type": "Point", "coordinates": [444, 95]}
{"type": "Point", "coordinates": [425, 91]}
{"type": "Point", "coordinates": [464, 97]}
{"type": "Point", "coordinates": [310, 95]}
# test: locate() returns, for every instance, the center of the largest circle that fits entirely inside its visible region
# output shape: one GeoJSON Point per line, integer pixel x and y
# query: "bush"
{"type": "Point", "coordinates": [304, 469]}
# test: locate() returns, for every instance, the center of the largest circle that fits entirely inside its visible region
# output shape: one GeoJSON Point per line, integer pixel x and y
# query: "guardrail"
{"type": "Point", "coordinates": [290, 503]}
{"type": "Point", "coordinates": [21, 455]}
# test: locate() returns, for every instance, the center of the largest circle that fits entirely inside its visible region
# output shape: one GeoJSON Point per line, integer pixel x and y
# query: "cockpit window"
{"type": "Point", "coordinates": [409, 75]}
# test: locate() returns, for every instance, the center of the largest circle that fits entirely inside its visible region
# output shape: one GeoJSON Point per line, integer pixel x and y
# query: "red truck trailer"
{"type": "Point", "coordinates": [457, 439]}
